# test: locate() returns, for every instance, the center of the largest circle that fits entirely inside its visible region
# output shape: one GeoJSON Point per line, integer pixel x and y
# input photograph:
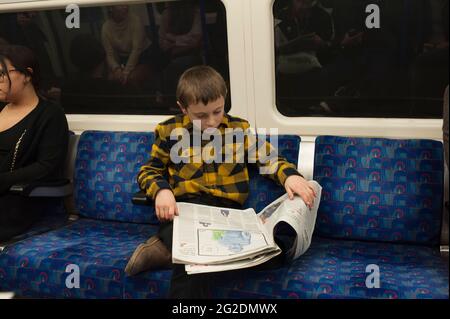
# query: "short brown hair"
{"type": "Point", "coordinates": [200, 84]}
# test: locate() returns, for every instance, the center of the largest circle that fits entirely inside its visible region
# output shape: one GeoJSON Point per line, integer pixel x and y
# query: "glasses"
{"type": "Point", "coordinates": [3, 74]}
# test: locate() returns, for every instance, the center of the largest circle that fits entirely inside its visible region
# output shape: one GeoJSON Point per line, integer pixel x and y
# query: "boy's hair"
{"type": "Point", "coordinates": [200, 84]}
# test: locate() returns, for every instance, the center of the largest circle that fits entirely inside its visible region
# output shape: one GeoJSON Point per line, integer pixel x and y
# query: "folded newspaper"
{"type": "Point", "coordinates": [212, 239]}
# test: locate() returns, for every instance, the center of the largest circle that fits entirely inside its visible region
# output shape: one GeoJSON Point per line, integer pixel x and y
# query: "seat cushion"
{"type": "Point", "coordinates": [36, 267]}
{"type": "Point", "coordinates": [379, 189]}
{"type": "Point", "coordinates": [337, 269]}
{"type": "Point", "coordinates": [106, 169]}
{"type": "Point", "coordinates": [54, 216]}
{"type": "Point", "coordinates": [329, 269]}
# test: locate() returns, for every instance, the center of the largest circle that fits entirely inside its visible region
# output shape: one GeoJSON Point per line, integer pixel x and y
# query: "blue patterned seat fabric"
{"type": "Point", "coordinates": [380, 189]}
{"type": "Point", "coordinates": [102, 242]}
{"type": "Point", "coordinates": [106, 167]}
{"type": "Point", "coordinates": [262, 190]}
{"type": "Point", "coordinates": [336, 268]}
{"type": "Point", "coordinates": [329, 269]}
{"type": "Point", "coordinates": [36, 267]}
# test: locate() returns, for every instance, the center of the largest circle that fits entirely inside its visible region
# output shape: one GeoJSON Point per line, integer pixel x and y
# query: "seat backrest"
{"type": "Point", "coordinates": [106, 167]}
{"type": "Point", "coordinates": [262, 190]}
{"type": "Point", "coordinates": [379, 189]}
{"type": "Point", "coordinates": [107, 164]}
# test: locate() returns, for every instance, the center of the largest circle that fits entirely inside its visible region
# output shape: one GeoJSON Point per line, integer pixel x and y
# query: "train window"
{"type": "Point", "coordinates": [330, 63]}
{"type": "Point", "coordinates": [123, 59]}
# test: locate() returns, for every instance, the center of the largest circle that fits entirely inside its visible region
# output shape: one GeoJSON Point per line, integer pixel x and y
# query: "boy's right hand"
{"type": "Point", "coordinates": [165, 205]}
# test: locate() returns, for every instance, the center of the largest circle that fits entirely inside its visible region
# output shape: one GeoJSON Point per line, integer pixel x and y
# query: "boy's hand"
{"type": "Point", "coordinates": [165, 205]}
{"type": "Point", "coordinates": [295, 184]}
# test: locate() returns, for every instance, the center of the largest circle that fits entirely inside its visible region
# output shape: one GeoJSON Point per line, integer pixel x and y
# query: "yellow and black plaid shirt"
{"type": "Point", "coordinates": [224, 180]}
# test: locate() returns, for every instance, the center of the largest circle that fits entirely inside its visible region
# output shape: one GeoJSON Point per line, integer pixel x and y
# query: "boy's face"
{"type": "Point", "coordinates": [210, 115]}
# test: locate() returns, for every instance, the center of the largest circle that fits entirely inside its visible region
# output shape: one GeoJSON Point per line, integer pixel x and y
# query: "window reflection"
{"type": "Point", "coordinates": [328, 63]}
{"type": "Point", "coordinates": [124, 59]}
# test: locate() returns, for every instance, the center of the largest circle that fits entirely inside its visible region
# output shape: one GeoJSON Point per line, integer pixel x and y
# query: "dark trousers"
{"type": "Point", "coordinates": [17, 215]}
{"type": "Point", "coordinates": [182, 285]}
{"type": "Point", "coordinates": [198, 286]}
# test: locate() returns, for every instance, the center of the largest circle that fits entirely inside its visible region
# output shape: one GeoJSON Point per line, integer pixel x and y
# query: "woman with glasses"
{"type": "Point", "coordinates": [33, 139]}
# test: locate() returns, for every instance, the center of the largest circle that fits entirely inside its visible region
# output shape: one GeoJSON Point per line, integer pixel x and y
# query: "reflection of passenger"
{"type": "Point", "coordinates": [127, 46]}
{"type": "Point", "coordinates": [33, 139]}
{"type": "Point", "coordinates": [180, 38]}
{"type": "Point", "coordinates": [89, 86]}
{"type": "Point", "coordinates": [305, 29]}
{"type": "Point", "coordinates": [362, 60]}
{"type": "Point", "coordinates": [438, 24]}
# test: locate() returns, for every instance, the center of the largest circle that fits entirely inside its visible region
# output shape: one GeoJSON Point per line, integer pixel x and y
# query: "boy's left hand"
{"type": "Point", "coordinates": [295, 184]}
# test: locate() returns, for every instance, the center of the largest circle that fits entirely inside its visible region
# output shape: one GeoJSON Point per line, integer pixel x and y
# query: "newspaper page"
{"type": "Point", "coordinates": [210, 235]}
{"type": "Point", "coordinates": [294, 212]}
{"type": "Point", "coordinates": [239, 264]}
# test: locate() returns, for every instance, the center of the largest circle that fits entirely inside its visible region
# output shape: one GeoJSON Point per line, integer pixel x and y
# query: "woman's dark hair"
{"type": "Point", "coordinates": [21, 58]}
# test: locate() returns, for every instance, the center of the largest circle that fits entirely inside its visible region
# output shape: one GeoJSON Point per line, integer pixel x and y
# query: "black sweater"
{"type": "Point", "coordinates": [42, 150]}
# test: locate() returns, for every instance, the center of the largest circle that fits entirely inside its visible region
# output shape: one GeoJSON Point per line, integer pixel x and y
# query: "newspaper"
{"type": "Point", "coordinates": [211, 239]}
{"type": "Point", "coordinates": [6, 295]}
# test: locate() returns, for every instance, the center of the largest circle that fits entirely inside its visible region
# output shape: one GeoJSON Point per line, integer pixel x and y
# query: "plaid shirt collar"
{"type": "Point", "coordinates": [188, 124]}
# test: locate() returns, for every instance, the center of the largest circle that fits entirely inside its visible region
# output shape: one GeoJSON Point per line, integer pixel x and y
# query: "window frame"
{"type": "Point", "coordinates": [237, 67]}
{"type": "Point", "coordinates": [265, 96]}
{"type": "Point", "coordinates": [250, 31]}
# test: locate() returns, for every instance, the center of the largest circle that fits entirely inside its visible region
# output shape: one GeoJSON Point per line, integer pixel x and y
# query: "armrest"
{"type": "Point", "coordinates": [140, 198]}
{"type": "Point", "coordinates": [59, 188]}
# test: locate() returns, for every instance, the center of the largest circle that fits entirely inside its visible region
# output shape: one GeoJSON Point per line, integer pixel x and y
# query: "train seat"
{"type": "Point", "coordinates": [107, 231]}
{"type": "Point", "coordinates": [380, 211]}
{"type": "Point", "coordinates": [337, 269]}
{"type": "Point", "coordinates": [55, 214]}
{"type": "Point", "coordinates": [102, 240]}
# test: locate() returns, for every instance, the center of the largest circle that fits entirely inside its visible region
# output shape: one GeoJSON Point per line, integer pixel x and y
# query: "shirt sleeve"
{"type": "Point", "coordinates": [270, 164]}
{"type": "Point", "coordinates": [151, 175]}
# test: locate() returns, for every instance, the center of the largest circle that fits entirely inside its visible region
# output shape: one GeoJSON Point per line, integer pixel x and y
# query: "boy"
{"type": "Point", "coordinates": [201, 94]}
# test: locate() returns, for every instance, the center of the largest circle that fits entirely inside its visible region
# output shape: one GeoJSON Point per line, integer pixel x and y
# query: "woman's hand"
{"type": "Point", "coordinates": [165, 205]}
{"type": "Point", "coordinates": [295, 184]}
